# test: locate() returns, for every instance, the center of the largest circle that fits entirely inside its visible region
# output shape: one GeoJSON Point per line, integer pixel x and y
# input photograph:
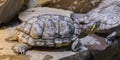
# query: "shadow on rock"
{"type": "Point", "coordinates": [110, 53]}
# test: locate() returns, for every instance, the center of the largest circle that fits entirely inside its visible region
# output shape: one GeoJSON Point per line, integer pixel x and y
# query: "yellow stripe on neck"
{"type": "Point", "coordinates": [93, 29]}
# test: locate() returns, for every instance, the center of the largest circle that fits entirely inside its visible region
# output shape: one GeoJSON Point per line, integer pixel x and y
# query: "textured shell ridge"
{"type": "Point", "coordinates": [49, 30]}
{"type": "Point", "coordinates": [109, 16]}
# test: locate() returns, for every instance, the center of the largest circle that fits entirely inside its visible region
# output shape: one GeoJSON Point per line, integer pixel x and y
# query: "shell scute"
{"type": "Point", "coordinates": [48, 30]}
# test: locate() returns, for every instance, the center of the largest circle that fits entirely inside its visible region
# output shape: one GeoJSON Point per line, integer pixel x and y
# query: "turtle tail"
{"type": "Point", "coordinates": [14, 37]}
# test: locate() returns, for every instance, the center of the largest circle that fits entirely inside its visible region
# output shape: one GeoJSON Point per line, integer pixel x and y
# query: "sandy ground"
{"type": "Point", "coordinates": [5, 48]}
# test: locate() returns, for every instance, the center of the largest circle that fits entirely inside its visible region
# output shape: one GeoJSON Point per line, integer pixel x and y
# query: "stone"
{"type": "Point", "coordinates": [29, 13]}
{"type": "Point", "coordinates": [79, 6]}
{"type": "Point", "coordinates": [106, 3]}
{"type": "Point", "coordinates": [58, 55]}
{"type": "Point", "coordinates": [9, 8]}
{"type": "Point", "coordinates": [37, 3]}
{"type": "Point", "coordinates": [112, 52]}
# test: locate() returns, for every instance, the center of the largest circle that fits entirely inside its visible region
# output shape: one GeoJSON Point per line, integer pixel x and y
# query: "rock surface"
{"type": "Point", "coordinates": [37, 3]}
{"type": "Point", "coordinates": [106, 3]}
{"type": "Point", "coordinates": [9, 8]}
{"type": "Point", "coordinates": [110, 53]}
{"type": "Point", "coordinates": [32, 12]}
{"type": "Point", "coordinates": [79, 6]}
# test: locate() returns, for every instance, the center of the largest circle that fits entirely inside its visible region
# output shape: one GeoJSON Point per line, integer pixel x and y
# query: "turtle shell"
{"type": "Point", "coordinates": [109, 17]}
{"type": "Point", "coordinates": [48, 30]}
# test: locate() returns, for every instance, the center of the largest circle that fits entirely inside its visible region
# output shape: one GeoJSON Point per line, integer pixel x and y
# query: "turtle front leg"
{"type": "Point", "coordinates": [110, 38]}
{"type": "Point", "coordinates": [14, 37]}
{"type": "Point", "coordinates": [77, 46]}
{"type": "Point", "coordinates": [20, 48]}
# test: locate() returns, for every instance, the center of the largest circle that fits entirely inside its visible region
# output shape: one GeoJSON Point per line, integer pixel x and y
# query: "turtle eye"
{"type": "Point", "coordinates": [82, 23]}
{"type": "Point", "coordinates": [98, 23]}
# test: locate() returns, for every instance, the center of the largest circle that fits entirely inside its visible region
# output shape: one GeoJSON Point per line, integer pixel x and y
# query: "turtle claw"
{"type": "Point", "coordinates": [78, 47]}
{"type": "Point", "coordinates": [19, 49]}
{"type": "Point", "coordinates": [74, 46]}
{"type": "Point", "coordinates": [108, 42]}
{"type": "Point", "coordinates": [22, 51]}
{"type": "Point", "coordinates": [83, 48]}
{"type": "Point", "coordinates": [110, 38]}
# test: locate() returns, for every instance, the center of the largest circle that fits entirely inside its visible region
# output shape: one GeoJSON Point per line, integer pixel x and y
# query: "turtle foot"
{"type": "Point", "coordinates": [20, 48]}
{"type": "Point", "coordinates": [78, 47]}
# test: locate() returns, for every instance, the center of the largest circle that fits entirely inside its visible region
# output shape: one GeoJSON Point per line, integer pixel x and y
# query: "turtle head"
{"type": "Point", "coordinates": [88, 25]}
{"type": "Point", "coordinates": [94, 27]}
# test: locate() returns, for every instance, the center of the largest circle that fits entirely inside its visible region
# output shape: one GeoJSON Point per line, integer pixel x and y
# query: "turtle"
{"type": "Point", "coordinates": [110, 20]}
{"type": "Point", "coordinates": [49, 30]}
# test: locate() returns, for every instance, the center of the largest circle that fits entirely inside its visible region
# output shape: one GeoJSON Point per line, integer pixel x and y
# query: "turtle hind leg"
{"type": "Point", "coordinates": [14, 37]}
{"type": "Point", "coordinates": [110, 38]}
{"type": "Point", "coordinates": [77, 46]}
{"type": "Point", "coordinates": [20, 48]}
